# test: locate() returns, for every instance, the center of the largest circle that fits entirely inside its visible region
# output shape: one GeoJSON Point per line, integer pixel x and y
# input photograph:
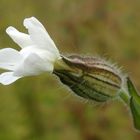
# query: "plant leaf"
{"type": "Point", "coordinates": [135, 110]}
{"type": "Point", "coordinates": [134, 103]}
{"type": "Point", "coordinates": [132, 90]}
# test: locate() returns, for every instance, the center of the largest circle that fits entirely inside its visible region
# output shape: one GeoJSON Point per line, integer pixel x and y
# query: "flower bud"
{"type": "Point", "coordinates": [90, 77]}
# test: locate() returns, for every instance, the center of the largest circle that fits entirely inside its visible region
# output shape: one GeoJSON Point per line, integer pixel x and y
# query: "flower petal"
{"type": "Point", "coordinates": [7, 78]}
{"type": "Point", "coordinates": [40, 36]}
{"type": "Point", "coordinates": [22, 39]}
{"type": "Point", "coordinates": [33, 65]}
{"type": "Point", "coordinates": [43, 54]}
{"type": "Point", "coordinates": [9, 58]}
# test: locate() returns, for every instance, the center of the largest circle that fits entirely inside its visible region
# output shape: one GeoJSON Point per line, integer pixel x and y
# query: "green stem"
{"type": "Point", "coordinates": [125, 97]}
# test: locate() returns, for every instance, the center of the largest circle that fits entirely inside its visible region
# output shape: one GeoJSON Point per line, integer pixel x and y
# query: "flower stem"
{"type": "Point", "coordinates": [125, 97]}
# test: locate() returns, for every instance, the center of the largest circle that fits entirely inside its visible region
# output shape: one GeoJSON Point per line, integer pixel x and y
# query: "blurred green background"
{"type": "Point", "coordinates": [41, 108]}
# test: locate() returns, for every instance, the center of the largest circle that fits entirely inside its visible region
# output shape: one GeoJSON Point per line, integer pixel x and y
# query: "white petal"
{"type": "Point", "coordinates": [22, 39]}
{"type": "Point", "coordinates": [40, 36]}
{"type": "Point", "coordinates": [8, 78]}
{"type": "Point", "coordinates": [9, 58]}
{"type": "Point", "coordinates": [44, 54]}
{"type": "Point", "coordinates": [33, 65]}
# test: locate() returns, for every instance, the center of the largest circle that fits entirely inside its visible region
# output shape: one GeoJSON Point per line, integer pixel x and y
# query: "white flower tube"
{"type": "Point", "coordinates": [38, 52]}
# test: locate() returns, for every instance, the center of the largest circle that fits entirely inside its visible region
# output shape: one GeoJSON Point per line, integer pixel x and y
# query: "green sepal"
{"type": "Point", "coordinates": [134, 103]}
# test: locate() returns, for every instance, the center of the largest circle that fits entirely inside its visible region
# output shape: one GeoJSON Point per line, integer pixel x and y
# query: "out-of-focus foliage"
{"type": "Point", "coordinates": [40, 108]}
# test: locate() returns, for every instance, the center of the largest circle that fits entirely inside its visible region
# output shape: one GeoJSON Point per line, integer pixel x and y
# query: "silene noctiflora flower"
{"type": "Point", "coordinates": [91, 78]}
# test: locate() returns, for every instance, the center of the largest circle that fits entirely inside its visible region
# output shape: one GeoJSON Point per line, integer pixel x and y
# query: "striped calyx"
{"type": "Point", "coordinates": [90, 77]}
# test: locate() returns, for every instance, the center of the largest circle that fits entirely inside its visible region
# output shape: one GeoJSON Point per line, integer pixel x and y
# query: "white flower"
{"type": "Point", "coordinates": [38, 52]}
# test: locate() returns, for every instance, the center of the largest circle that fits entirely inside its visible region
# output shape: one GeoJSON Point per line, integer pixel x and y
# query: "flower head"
{"type": "Point", "coordinates": [38, 52]}
{"type": "Point", "coordinates": [91, 78]}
